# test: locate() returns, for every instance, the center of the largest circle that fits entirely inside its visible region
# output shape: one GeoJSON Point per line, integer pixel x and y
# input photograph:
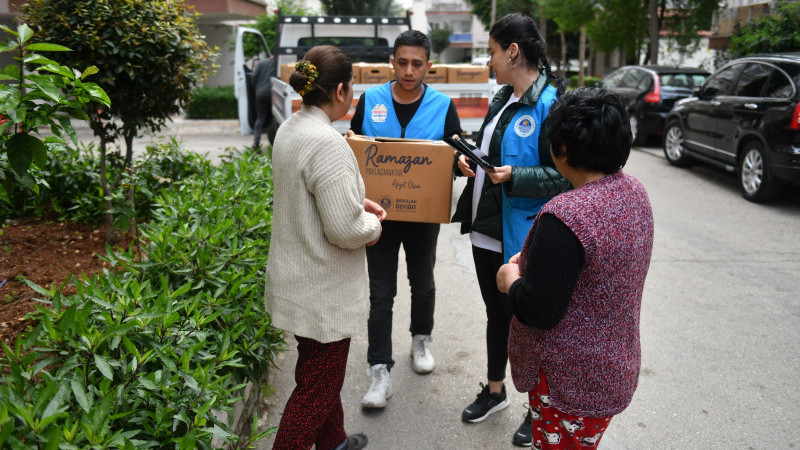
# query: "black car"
{"type": "Point", "coordinates": [649, 92]}
{"type": "Point", "coordinates": [746, 119]}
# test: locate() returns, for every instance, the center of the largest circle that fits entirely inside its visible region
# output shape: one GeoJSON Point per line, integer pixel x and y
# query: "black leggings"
{"type": "Point", "coordinates": [498, 313]}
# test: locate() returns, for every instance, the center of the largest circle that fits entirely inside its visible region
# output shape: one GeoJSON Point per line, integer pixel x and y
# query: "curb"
{"type": "Point", "coordinates": [179, 126]}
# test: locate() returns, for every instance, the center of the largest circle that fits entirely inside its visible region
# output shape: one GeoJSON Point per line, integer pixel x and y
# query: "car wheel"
{"type": "Point", "coordinates": [674, 148]}
{"type": "Point", "coordinates": [636, 139]}
{"type": "Point", "coordinates": [754, 179]}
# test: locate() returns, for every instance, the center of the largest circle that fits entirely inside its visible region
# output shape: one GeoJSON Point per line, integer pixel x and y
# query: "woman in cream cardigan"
{"type": "Point", "coordinates": [316, 281]}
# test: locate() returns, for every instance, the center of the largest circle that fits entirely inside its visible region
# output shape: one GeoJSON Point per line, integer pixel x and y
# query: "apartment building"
{"type": "Point", "coordinates": [736, 12]}
{"type": "Point", "coordinates": [218, 22]}
{"type": "Point", "coordinates": [469, 41]}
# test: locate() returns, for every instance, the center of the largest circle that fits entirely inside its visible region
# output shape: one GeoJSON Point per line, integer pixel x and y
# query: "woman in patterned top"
{"type": "Point", "coordinates": [576, 287]}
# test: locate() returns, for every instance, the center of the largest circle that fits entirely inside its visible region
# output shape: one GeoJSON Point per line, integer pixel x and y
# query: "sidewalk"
{"type": "Point", "coordinates": [425, 411]}
{"type": "Point", "coordinates": [209, 137]}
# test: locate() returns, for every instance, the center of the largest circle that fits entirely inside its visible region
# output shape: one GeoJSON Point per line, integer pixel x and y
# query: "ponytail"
{"type": "Point", "coordinates": [560, 83]}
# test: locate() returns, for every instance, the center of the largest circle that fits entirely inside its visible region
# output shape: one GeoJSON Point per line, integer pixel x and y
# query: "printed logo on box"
{"type": "Point", "coordinates": [386, 203]}
{"type": "Point", "coordinates": [379, 113]}
{"type": "Point", "coordinates": [525, 126]}
{"type": "Point", "coordinates": [407, 205]}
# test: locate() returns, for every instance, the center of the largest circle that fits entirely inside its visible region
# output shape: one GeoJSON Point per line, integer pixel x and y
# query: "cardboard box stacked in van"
{"type": "Point", "coordinates": [374, 73]}
{"type": "Point", "coordinates": [467, 73]}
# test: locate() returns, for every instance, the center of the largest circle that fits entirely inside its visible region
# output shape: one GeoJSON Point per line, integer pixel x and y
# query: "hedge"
{"type": "Point", "coordinates": [213, 103]}
{"type": "Point", "coordinates": [143, 357]}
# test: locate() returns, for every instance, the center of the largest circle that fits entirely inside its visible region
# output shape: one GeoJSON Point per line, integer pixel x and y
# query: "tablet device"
{"type": "Point", "coordinates": [469, 151]}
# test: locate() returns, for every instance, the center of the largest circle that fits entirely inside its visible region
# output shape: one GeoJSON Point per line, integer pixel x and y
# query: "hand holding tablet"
{"type": "Point", "coordinates": [469, 151]}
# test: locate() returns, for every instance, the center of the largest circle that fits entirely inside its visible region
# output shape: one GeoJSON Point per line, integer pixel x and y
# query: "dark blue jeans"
{"type": "Point", "coordinates": [419, 243]}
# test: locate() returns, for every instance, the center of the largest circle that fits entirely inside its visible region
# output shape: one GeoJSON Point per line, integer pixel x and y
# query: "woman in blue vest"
{"type": "Point", "coordinates": [497, 208]}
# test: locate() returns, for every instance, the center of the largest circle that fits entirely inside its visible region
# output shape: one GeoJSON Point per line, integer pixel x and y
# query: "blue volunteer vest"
{"type": "Point", "coordinates": [380, 118]}
{"type": "Point", "coordinates": [520, 147]}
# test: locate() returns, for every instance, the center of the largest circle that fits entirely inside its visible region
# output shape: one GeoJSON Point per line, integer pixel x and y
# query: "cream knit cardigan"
{"type": "Point", "coordinates": [316, 282]}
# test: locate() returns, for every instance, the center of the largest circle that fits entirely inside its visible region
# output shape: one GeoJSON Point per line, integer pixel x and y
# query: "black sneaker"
{"type": "Point", "coordinates": [486, 403]}
{"type": "Point", "coordinates": [524, 435]}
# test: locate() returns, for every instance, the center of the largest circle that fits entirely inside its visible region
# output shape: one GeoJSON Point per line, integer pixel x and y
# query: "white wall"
{"type": "Point", "coordinates": [222, 36]}
{"type": "Point", "coordinates": [702, 57]}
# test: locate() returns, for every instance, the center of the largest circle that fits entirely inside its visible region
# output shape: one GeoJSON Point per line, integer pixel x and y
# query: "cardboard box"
{"type": "Point", "coordinates": [411, 178]}
{"type": "Point", "coordinates": [356, 74]}
{"type": "Point", "coordinates": [464, 73]}
{"type": "Point", "coordinates": [375, 73]}
{"type": "Point", "coordinates": [437, 74]}
{"type": "Point", "coordinates": [286, 72]}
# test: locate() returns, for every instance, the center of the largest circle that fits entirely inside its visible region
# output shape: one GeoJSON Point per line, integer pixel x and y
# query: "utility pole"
{"type": "Point", "coordinates": [494, 12]}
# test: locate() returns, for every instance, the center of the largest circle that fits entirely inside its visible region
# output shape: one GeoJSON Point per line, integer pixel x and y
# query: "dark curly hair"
{"type": "Point", "coordinates": [592, 127]}
{"type": "Point", "coordinates": [333, 66]}
{"type": "Point", "coordinates": [522, 30]}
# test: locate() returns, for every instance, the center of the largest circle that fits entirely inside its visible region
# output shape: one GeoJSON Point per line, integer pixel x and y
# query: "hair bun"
{"type": "Point", "coordinates": [309, 72]}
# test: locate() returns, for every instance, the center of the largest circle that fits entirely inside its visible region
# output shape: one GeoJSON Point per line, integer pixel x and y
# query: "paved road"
{"type": "Point", "coordinates": [720, 333]}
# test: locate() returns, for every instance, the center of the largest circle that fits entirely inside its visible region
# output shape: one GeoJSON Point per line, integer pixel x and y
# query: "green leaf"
{"type": "Point", "coordinates": [91, 70]}
{"type": "Point", "coordinates": [9, 30]}
{"type": "Point", "coordinates": [12, 70]}
{"type": "Point", "coordinates": [188, 441]}
{"type": "Point", "coordinates": [20, 150]}
{"type": "Point", "coordinates": [47, 47]}
{"type": "Point", "coordinates": [181, 290]}
{"type": "Point", "coordinates": [80, 395]}
{"type": "Point", "coordinates": [55, 403]}
{"type": "Point", "coordinates": [9, 101]}
{"type": "Point", "coordinates": [61, 70]}
{"type": "Point", "coordinates": [103, 366]}
{"type": "Point", "coordinates": [97, 93]}
{"type": "Point", "coordinates": [35, 58]}
{"type": "Point", "coordinates": [147, 383]}
{"type": "Point", "coordinates": [66, 125]}
{"type": "Point", "coordinates": [24, 32]}
{"type": "Point", "coordinates": [40, 156]}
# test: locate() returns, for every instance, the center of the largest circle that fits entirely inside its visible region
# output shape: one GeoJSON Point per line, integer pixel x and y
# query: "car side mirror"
{"type": "Point", "coordinates": [706, 94]}
{"type": "Point", "coordinates": [697, 92]}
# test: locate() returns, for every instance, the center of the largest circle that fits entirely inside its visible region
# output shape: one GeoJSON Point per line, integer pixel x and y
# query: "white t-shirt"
{"type": "Point", "coordinates": [481, 240]}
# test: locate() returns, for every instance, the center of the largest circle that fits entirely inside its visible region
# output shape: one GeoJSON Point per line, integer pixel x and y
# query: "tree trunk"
{"type": "Point", "coordinates": [543, 23]}
{"type": "Point", "coordinates": [106, 191]}
{"type": "Point", "coordinates": [128, 162]}
{"type": "Point", "coordinates": [564, 56]}
{"type": "Point", "coordinates": [653, 56]}
{"type": "Point", "coordinates": [581, 55]}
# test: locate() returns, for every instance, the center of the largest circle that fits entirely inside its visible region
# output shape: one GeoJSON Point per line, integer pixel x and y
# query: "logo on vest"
{"type": "Point", "coordinates": [524, 126]}
{"type": "Point", "coordinates": [379, 113]}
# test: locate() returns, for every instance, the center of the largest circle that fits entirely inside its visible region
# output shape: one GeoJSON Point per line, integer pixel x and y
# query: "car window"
{"type": "Point", "coordinates": [630, 80]}
{"type": "Point", "coordinates": [752, 80]}
{"type": "Point", "coordinates": [722, 83]}
{"type": "Point", "coordinates": [779, 85]}
{"type": "Point", "coordinates": [682, 80]}
{"type": "Point", "coordinates": [643, 80]}
{"type": "Point", "coordinates": [613, 80]}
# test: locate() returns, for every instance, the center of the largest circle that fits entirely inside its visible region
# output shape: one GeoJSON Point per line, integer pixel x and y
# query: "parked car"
{"type": "Point", "coordinates": [649, 92]}
{"type": "Point", "coordinates": [746, 119]}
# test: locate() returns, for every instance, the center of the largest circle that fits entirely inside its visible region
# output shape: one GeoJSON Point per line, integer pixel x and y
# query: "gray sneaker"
{"type": "Point", "coordinates": [380, 387]}
{"type": "Point", "coordinates": [422, 360]}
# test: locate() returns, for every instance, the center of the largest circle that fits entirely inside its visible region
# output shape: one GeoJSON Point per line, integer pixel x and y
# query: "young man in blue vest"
{"type": "Point", "coordinates": [407, 108]}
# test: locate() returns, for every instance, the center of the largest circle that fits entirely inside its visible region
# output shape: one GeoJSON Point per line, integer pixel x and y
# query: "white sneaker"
{"type": "Point", "coordinates": [422, 360]}
{"type": "Point", "coordinates": [380, 389]}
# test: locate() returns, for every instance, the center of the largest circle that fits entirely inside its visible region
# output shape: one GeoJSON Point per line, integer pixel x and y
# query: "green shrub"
{"type": "Point", "coordinates": [142, 358]}
{"type": "Point", "coordinates": [70, 182]}
{"type": "Point", "coordinates": [587, 81]}
{"type": "Point", "coordinates": [213, 103]}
